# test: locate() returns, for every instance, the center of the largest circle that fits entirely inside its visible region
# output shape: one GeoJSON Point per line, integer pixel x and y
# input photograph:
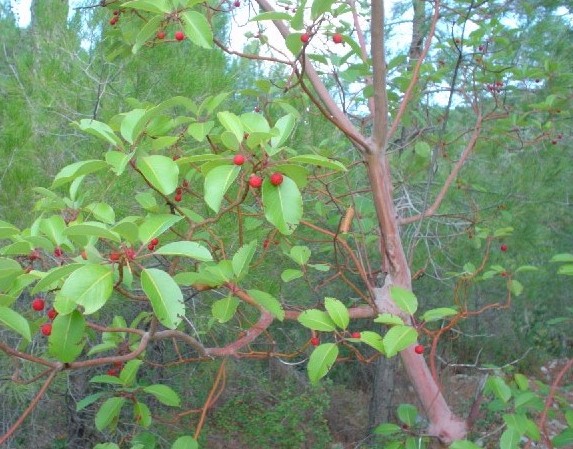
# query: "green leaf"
{"type": "Point", "coordinates": [321, 361]}
{"type": "Point", "coordinates": [498, 387]}
{"type": "Point", "coordinates": [129, 372]}
{"type": "Point", "coordinates": [399, 338]}
{"type": "Point", "coordinates": [9, 268]}
{"type": "Point", "coordinates": [269, 303]}
{"type": "Point", "coordinates": [155, 225]}
{"type": "Point", "coordinates": [374, 340]}
{"type": "Point", "coordinates": [320, 7]}
{"type": "Point", "coordinates": [387, 429]}
{"type": "Point", "coordinates": [438, 314]}
{"type": "Point", "coordinates": [515, 287]}
{"type": "Point", "coordinates": [300, 254]}
{"type": "Point", "coordinates": [389, 319]}
{"type": "Point", "coordinates": [142, 414]}
{"type": "Point", "coordinates": [156, 6]}
{"type": "Point", "coordinates": [54, 275]}
{"type": "Point", "coordinates": [165, 296]}
{"type": "Point", "coordinates": [464, 444]}
{"type": "Point", "coordinates": [160, 171]}
{"type": "Point", "coordinates": [509, 439]}
{"type": "Point", "coordinates": [197, 28]}
{"type": "Point", "coordinates": [91, 229]}
{"type": "Point", "coordinates": [106, 446]}
{"type": "Point", "coordinates": [566, 269]}
{"type": "Point", "coordinates": [284, 125]}
{"type": "Point", "coordinates": [283, 205]}
{"type": "Point", "coordinates": [67, 339]}
{"type": "Point", "coordinates": [164, 394]}
{"type": "Point", "coordinates": [133, 123]}
{"type": "Point", "coordinates": [7, 230]}
{"type": "Point", "coordinates": [118, 160]}
{"type": "Point", "coordinates": [337, 311]}
{"type": "Point", "coordinates": [242, 259]}
{"type": "Point", "coordinates": [565, 257]}
{"type": "Point", "coordinates": [108, 414]}
{"type": "Point", "coordinates": [102, 212]}
{"type": "Point", "coordinates": [77, 169]}
{"type": "Point", "coordinates": [146, 33]}
{"type": "Point", "coordinates": [224, 309]}
{"type": "Point", "coordinates": [199, 130]}
{"type": "Point", "coordinates": [564, 439]}
{"type": "Point", "coordinates": [271, 15]}
{"type": "Point", "coordinates": [404, 299]}
{"type": "Point", "coordinates": [317, 320]}
{"type": "Point", "coordinates": [185, 442]}
{"type": "Point", "coordinates": [297, 21]}
{"type": "Point", "coordinates": [106, 379]}
{"type": "Point", "coordinates": [99, 129]}
{"type": "Point", "coordinates": [232, 123]}
{"type": "Point", "coordinates": [320, 161]}
{"type": "Point", "coordinates": [193, 250]}
{"type": "Point", "coordinates": [90, 287]}
{"type": "Point", "coordinates": [88, 400]}
{"type": "Point", "coordinates": [13, 320]}
{"type": "Point", "coordinates": [53, 228]}
{"type": "Point", "coordinates": [217, 182]}
{"type": "Point", "coordinates": [290, 275]}
{"type": "Point", "coordinates": [407, 413]}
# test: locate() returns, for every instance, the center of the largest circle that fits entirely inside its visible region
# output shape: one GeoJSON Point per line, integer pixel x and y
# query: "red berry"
{"type": "Point", "coordinates": [355, 334]}
{"type": "Point", "coordinates": [239, 159]}
{"type": "Point", "coordinates": [84, 255]}
{"type": "Point", "coordinates": [155, 241]}
{"type": "Point", "coordinates": [237, 4]}
{"type": "Point", "coordinates": [304, 38]}
{"type": "Point", "coordinates": [112, 372]}
{"type": "Point", "coordinates": [337, 38]}
{"type": "Point", "coordinates": [419, 349]}
{"type": "Point", "coordinates": [38, 304]}
{"type": "Point", "coordinates": [46, 329]}
{"type": "Point", "coordinates": [175, 157]}
{"type": "Point", "coordinates": [52, 314]}
{"type": "Point", "coordinates": [177, 197]}
{"type": "Point", "coordinates": [130, 253]}
{"type": "Point", "coordinates": [34, 255]}
{"type": "Point", "coordinates": [160, 34]}
{"type": "Point", "coordinates": [118, 364]}
{"type": "Point", "coordinates": [503, 247]}
{"type": "Point", "coordinates": [315, 341]}
{"type": "Point", "coordinates": [179, 35]}
{"type": "Point", "coordinates": [113, 20]}
{"type": "Point", "coordinates": [114, 257]}
{"type": "Point", "coordinates": [255, 181]}
{"type": "Point", "coordinates": [503, 274]}
{"type": "Point", "coordinates": [276, 179]}
{"type": "Point", "coordinates": [266, 243]}
{"type": "Point", "coordinates": [58, 251]}
{"type": "Point", "coordinates": [178, 191]}
{"type": "Point", "coordinates": [151, 247]}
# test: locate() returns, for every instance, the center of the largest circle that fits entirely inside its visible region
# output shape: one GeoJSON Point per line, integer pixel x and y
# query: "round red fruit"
{"type": "Point", "coordinates": [276, 179]}
{"type": "Point", "coordinates": [112, 372]}
{"type": "Point", "coordinates": [38, 304]}
{"type": "Point", "coordinates": [337, 38]}
{"type": "Point", "coordinates": [151, 247]}
{"type": "Point", "coordinates": [255, 181]}
{"type": "Point", "coordinates": [52, 314]}
{"type": "Point", "coordinates": [503, 247]}
{"type": "Point", "coordinates": [114, 257]}
{"type": "Point", "coordinates": [419, 349]}
{"type": "Point", "coordinates": [46, 329]}
{"type": "Point", "coordinates": [179, 35]}
{"type": "Point", "coordinates": [113, 20]}
{"type": "Point", "coordinates": [160, 34]}
{"type": "Point", "coordinates": [355, 334]}
{"type": "Point", "coordinates": [154, 241]}
{"type": "Point", "coordinates": [239, 159]}
{"type": "Point", "coordinates": [178, 197]}
{"type": "Point", "coordinates": [58, 251]}
{"type": "Point", "coordinates": [315, 341]}
{"type": "Point", "coordinates": [118, 364]}
{"type": "Point", "coordinates": [237, 4]}
{"type": "Point", "coordinates": [304, 38]}
{"type": "Point", "coordinates": [130, 253]}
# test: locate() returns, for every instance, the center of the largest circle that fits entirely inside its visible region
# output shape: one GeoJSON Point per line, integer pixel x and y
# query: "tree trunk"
{"type": "Point", "coordinates": [382, 397]}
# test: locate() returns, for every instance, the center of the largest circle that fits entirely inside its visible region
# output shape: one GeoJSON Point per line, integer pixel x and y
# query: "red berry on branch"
{"type": "Point", "coordinates": [276, 179]}
{"type": "Point", "coordinates": [503, 247]}
{"type": "Point", "coordinates": [255, 181]}
{"type": "Point", "coordinates": [114, 257]}
{"type": "Point", "coordinates": [113, 20]}
{"type": "Point", "coordinates": [46, 329]}
{"type": "Point", "coordinates": [151, 247]}
{"type": "Point", "coordinates": [304, 38]}
{"type": "Point", "coordinates": [315, 341]}
{"type": "Point", "coordinates": [154, 241]}
{"type": "Point", "coordinates": [355, 334]}
{"type": "Point", "coordinates": [160, 34]}
{"type": "Point", "coordinates": [38, 304]}
{"type": "Point", "coordinates": [112, 372]}
{"type": "Point", "coordinates": [419, 349]}
{"type": "Point", "coordinates": [239, 159]}
{"type": "Point", "coordinates": [179, 35]}
{"type": "Point", "coordinates": [58, 252]}
{"type": "Point", "coordinates": [52, 314]}
{"type": "Point", "coordinates": [337, 38]}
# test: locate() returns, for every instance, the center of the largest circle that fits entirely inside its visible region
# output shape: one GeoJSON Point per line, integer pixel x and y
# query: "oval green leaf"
{"type": "Point", "coordinates": [197, 28]}
{"type": "Point", "coordinates": [399, 338]}
{"type": "Point", "coordinates": [164, 394]}
{"type": "Point", "coordinates": [404, 299]}
{"type": "Point", "coordinates": [185, 442]}
{"type": "Point", "coordinates": [337, 311]}
{"type": "Point", "coordinates": [165, 296]}
{"type": "Point", "coordinates": [108, 413]}
{"type": "Point", "coordinates": [67, 339]}
{"type": "Point", "coordinates": [13, 320]}
{"type": "Point", "coordinates": [283, 205]}
{"type": "Point", "coordinates": [77, 169]}
{"type": "Point", "coordinates": [224, 309]}
{"type": "Point", "coordinates": [217, 182]}
{"type": "Point", "coordinates": [161, 172]}
{"type": "Point", "coordinates": [317, 320]}
{"type": "Point", "coordinates": [89, 286]}
{"type": "Point", "coordinates": [155, 225]}
{"type": "Point", "coordinates": [269, 303]}
{"type": "Point", "coordinates": [321, 361]}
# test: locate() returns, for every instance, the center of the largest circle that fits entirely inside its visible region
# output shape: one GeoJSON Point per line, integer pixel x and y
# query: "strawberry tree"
{"type": "Point", "coordinates": [221, 198]}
